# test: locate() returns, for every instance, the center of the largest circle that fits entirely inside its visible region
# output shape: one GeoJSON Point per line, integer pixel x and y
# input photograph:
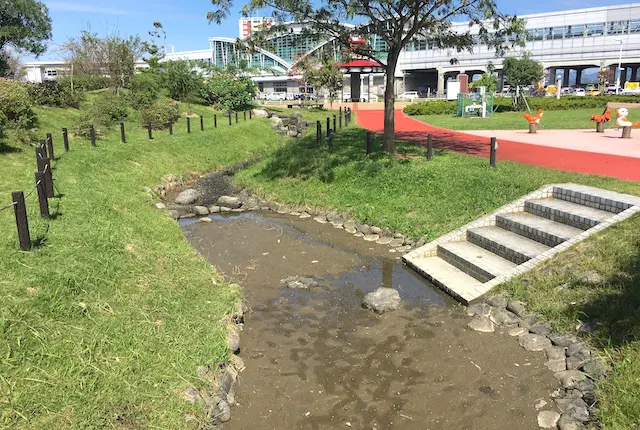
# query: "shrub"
{"type": "Point", "coordinates": [85, 82]}
{"type": "Point", "coordinates": [434, 107]}
{"type": "Point", "coordinates": [16, 107]}
{"type": "Point", "coordinates": [144, 90]}
{"type": "Point", "coordinates": [53, 93]}
{"type": "Point", "coordinates": [229, 92]}
{"type": "Point", "coordinates": [82, 125]}
{"type": "Point", "coordinates": [110, 108]}
{"type": "Point", "coordinates": [160, 113]}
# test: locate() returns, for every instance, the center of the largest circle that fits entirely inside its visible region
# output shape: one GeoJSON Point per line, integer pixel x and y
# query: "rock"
{"type": "Point", "coordinates": [276, 122]}
{"type": "Point", "coordinates": [260, 113]}
{"type": "Point", "coordinates": [548, 419]}
{"type": "Point", "coordinates": [481, 324]}
{"type": "Point", "coordinates": [333, 216]}
{"type": "Point", "coordinates": [384, 240]}
{"type": "Point", "coordinates": [337, 224]}
{"type": "Point", "coordinates": [351, 230]}
{"type": "Point", "coordinates": [403, 249]}
{"type": "Point", "coordinates": [187, 215]}
{"type": "Point", "coordinates": [534, 342]}
{"type": "Point", "coordinates": [541, 404]}
{"type": "Point", "coordinates": [348, 225]}
{"type": "Point", "coordinates": [233, 339]}
{"type": "Point", "coordinates": [376, 230]}
{"type": "Point", "coordinates": [542, 329]}
{"type": "Point", "coordinates": [570, 378]}
{"type": "Point", "coordinates": [568, 424]}
{"type": "Point", "coordinates": [173, 214]}
{"type": "Point", "coordinates": [562, 339]}
{"type": "Point", "coordinates": [363, 228]}
{"type": "Point", "coordinates": [420, 243]}
{"type": "Point", "coordinates": [237, 363]}
{"type": "Point", "coordinates": [214, 209]}
{"type": "Point", "coordinates": [226, 380]}
{"type": "Point", "coordinates": [229, 202]}
{"type": "Point", "coordinates": [587, 327]}
{"type": "Point", "coordinates": [205, 220]}
{"type": "Point", "coordinates": [371, 237]}
{"type": "Point", "coordinates": [498, 301]}
{"type": "Point", "coordinates": [358, 234]}
{"type": "Point", "coordinates": [304, 215]}
{"type": "Point", "coordinates": [481, 309]}
{"type": "Point", "coordinates": [555, 352]}
{"type": "Point", "coordinates": [191, 394]}
{"type": "Point", "coordinates": [556, 364]}
{"type": "Point", "coordinates": [596, 368]}
{"type": "Point", "coordinates": [160, 206]}
{"type": "Point", "coordinates": [187, 197]}
{"type": "Point", "coordinates": [225, 209]}
{"type": "Point", "coordinates": [591, 278]}
{"type": "Point", "coordinates": [395, 243]}
{"type": "Point", "coordinates": [579, 351]}
{"type": "Point", "coordinates": [501, 316]}
{"type": "Point", "coordinates": [200, 210]}
{"type": "Point", "coordinates": [517, 331]}
{"type": "Point", "coordinates": [222, 412]}
{"type": "Point", "coordinates": [299, 283]}
{"type": "Point", "coordinates": [574, 409]}
{"type": "Point", "coordinates": [530, 320]}
{"type": "Point", "coordinates": [320, 219]}
{"type": "Point", "coordinates": [239, 210]}
{"type": "Point", "coordinates": [517, 307]}
{"type": "Point", "coordinates": [382, 300]}
{"type": "Point", "coordinates": [293, 133]}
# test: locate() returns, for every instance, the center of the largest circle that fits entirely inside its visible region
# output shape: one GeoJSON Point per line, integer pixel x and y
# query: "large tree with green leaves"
{"type": "Point", "coordinates": [522, 72]}
{"type": "Point", "coordinates": [24, 27]}
{"type": "Point", "coordinates": [324, 74]}
{"type": "Point", "coordinates": [396, 22]}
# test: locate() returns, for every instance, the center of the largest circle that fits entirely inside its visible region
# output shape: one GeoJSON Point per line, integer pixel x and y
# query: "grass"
{"type": "Point", "coordinates": [425, 199]}
{"type": "Point", "coordinates": [552, 120]}
{"type": "Point", "coordinates": [104, 322]}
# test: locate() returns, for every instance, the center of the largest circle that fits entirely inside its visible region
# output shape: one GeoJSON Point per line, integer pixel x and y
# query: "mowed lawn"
{"type": "Point", "coordinates": [551, 120]}
{"type": "Point", "coordinates": [425, 199]}
{"type": "Point", "coordinates": [104, 322]}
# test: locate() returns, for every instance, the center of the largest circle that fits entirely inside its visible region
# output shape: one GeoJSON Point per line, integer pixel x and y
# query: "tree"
{"type": "Point", "coordinates": [604, 77]}
{"type": "Point", "coordinates": [396, 22]}
{"type": "Point", "coordinates": [323, 74]}
{"type": "Point", "coordinates": [181, 80]}
{"type": "Point", "coordinates": [521, 72]}
{"type": "Point", "coordinates": [11, 65]}
{"type": "Point", "coordinates": [156, 52]}
{"type": "Point", "coordinates": [487, 80]}
{"type": "Point", "coordinates": [24, 26]}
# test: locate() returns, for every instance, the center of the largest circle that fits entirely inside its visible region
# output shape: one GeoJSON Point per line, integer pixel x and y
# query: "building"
{"type": "Point", "coordinates": [247, 26]}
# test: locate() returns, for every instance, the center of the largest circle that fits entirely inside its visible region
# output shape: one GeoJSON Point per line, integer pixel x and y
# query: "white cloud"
{"type": "Point", "coordinates": [68, 6]}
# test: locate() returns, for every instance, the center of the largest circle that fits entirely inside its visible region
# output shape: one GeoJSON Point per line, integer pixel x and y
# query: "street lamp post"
{"type": "Point", "coordinates": [619, 67]}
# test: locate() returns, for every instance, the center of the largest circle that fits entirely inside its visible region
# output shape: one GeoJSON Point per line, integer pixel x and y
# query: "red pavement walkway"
{"type": "Point", "coordinates": [554, 158]}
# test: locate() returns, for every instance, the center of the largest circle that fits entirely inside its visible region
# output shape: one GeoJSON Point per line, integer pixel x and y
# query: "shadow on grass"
{"type": "Point", "coordinates": [7, 149]}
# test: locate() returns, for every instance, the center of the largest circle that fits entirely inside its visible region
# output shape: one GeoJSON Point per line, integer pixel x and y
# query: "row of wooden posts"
{"type": "Point", "coordinates": [342, 116]}
{"type": "Point", "coordinates": [44, 176]}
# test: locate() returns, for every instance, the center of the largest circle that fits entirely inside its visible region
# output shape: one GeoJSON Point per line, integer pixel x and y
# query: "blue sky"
{"type": "Point", "coordinates": [186, 24]}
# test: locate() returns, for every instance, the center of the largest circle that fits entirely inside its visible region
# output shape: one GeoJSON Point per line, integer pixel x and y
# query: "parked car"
{"type": "Point", "coordinates": [276, 96]}
{"type": "Point", "coordinates": [580, 92]}
{"type": "Point", "coordinates": [567, 91]}
{"type": "Point", "coordinates": [593, 92]}
{"type": "Point", "coordinates": [408, 96]}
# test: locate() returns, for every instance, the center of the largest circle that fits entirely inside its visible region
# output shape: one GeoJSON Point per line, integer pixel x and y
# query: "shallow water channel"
{"type": "Point", "coordinates": [317, 360]}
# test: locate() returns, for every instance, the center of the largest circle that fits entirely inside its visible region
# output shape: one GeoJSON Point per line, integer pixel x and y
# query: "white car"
{"type": "Point", "coordinates": [276, 96]}
{"type": "Point", "coordinates": [409, 96]}
{"type": "Point", "coordinates": [580, 92]}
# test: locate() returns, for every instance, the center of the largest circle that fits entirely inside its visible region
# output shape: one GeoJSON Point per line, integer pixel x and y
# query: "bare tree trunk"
{"type": "Point", "coordinates": [389, 137]}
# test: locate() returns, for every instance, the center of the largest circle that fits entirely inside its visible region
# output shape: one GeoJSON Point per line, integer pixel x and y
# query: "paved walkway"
{"type": "Point", "coordinates": [551, 150]}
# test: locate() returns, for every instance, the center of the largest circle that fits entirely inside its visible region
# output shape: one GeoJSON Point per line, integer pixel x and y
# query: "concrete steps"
{"type": "Point", "coordinates": [469, 261]}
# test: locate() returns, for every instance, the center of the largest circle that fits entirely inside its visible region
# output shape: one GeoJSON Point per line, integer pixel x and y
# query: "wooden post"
{"type": "Point", "coordinates": [626, 132]}
{"type": "Point", "coordinates": [40, 154]}
{"type": "Point", "coordinates": [44, 166]}
{"type": "Point", "coordinates": [50, 146]}
{"type": "Point", "coordinates": [22, 223]}
{"type": "Point", "coordinates": [123, 136]}
{"type": "Point", "coordinates": [429, 146]}
{"type": "Point", "coordinates": [65, 139]}
{"type": "Point", "coordinates": [92, 135]}
{"type": "Point", "coordinates": [250, 113]}
{"type": "Point", "coordinates": [340, 118]}
{"type": "Point", "coordinates": [236, 117]}
{"type": "Point", "coordinates": [318, 132]}
{"type": "Point", "coordinates": [42, 195]}
{"type": "Point", "coordinates": [492, 155]}
{"type": "Point", "coordinates": [170, 128]}
{"type": "Point", "coordinates": [599, 127]}
{"type": "Point", "coordinates": [215, 121]}
{"type": "Point", "coordinates": [229, 118]}
{"type": "Point", "coordinates": [43, 148]}
{"type": "Point", "coordinates": [150, 131]}
{"type": "Point", "coordinates": [188, 125]}
{"type": "Point", "coordinates": [201, 123]}
{"type": "Point", "coordinates": [533, 128]}
{"type": "Point", "coordinates": [328, 127]}
{"type": "Point", "coordinates": [244, 114]}
{"type": "Point", "coordinates": [334, 124]}
{"type": "Point", "coordinates": [368, 142]}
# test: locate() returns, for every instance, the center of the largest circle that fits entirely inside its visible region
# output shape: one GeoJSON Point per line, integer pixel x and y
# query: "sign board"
{"type": "Point", "coordinates": [632, 85]}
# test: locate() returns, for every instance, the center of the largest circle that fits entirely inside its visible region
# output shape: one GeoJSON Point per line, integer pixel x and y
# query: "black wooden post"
{"type": "Point", "coordinates": [334, 124]}
{"type": "Point", "coordinates": [328, 127]}
{"type": "Point", "coordinates": [92, 135]}
{"type": "Point", "coordinates": [429, 146]}
{"type": "Point", "coordinates": [250, 113]}
{"type": "Point", "coordinates": [43, 148]}
{"type": "Point", "coordinates": [123, 136]}
{"type": "Point", "coordinates": [236, 117]}
{"type": "Point", "coordinates": [492, 155]}
{"type": "Point", "coordinates": [150, 131]}
{"type": "Point", "coordinates": [368, 143]}
{"type": "Point", "coordinates": [340, 118]}
{"type": "Point", "coordinates": [65, 139]}
{"type": "Point", "coordinates": [318, 132]}
{"type": "Point", "coordinates": [215, 121]}
{"type": "Point", "coordinates": [40, 154]}
{"type": "Point", "coordinates": [22, 223]}
{"type": "Point", "coordinates": [229, 118]}
{"type": "Point", "coordinates": [50, 146]}
{"type": "Point", "coordinates": [201, 123]}
{"type": "Point", "coordinates": [44, 166]}
{"type": "Point", "coordinates": [188, 125]}
{"type": "Point", "coordinates": [42, 195]}
{"type": "Point", "coordinates": [244, 114]}
{"type": "Point", "coordinates": [170, 128]}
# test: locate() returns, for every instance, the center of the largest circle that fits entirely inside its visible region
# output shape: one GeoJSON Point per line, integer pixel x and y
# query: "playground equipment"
{"type": "Point", "coordinates": [478, 104]}
{"type": "Point", "coordinates": [601, 119]}
{"type": "Point", "coordinates": [534, 120]}
{"type": "Point", "coordinates": [623, 122]}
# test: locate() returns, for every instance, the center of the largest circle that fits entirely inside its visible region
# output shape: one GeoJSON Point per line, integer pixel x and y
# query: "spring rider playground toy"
{"type": "Point", "coordinates": [534, 121]}
{"type": "Point", "coordinates": [623, 122]}
{"type": "Point", "coordinates": [601, 119]}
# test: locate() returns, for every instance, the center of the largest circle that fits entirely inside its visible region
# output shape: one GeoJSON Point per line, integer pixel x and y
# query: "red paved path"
{"type": "Point", "coordinates": [554, 158]}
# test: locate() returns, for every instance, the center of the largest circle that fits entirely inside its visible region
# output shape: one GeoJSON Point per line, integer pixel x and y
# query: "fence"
{"type": "Point", "coordinates": [44, 183]}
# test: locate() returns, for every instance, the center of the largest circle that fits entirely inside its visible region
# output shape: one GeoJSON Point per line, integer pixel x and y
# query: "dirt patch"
{"type": "Point", "coordinates": [316, 360]}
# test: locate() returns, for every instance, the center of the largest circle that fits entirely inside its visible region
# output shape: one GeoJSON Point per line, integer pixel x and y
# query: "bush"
{"type": "Point", "coordinates": [144, 90]}
{"type": "Point", "coordinates": [17, 108]}
{"type": "Point", "coordinates": [435, 107]}
{"type": "Point", "coordinates": [107, 109]}
{"type": "Point", "coordinates": [85, 82]}
{"type": "Point", "coordinates": [229, 92]}
{"type": "Point", "coordinates": [160, 113]}
{"type": "Point", "coordinates": [53, 93]}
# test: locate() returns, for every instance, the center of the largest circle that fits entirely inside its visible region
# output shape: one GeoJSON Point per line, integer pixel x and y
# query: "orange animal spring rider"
{"type": "Point", "coordinates": [534, 120]}
{"type": "Point", "coordinates": [601, 119]}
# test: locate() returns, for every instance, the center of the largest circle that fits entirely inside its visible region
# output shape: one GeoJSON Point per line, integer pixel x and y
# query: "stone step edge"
{"type": "Point", "coordinates": [498, 248]}
{"type": "Point", "coordinates": [536, 234]}
{"type": "Point", "coordinates": [560, 216]}
{"type": "Point", "coordinates": [464, 265]}
{"type": "Point", "coordinates": [564, 192]}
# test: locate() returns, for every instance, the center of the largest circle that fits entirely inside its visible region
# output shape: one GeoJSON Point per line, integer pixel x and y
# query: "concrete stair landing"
{"type": "Point", "coordinates": [468, 262]}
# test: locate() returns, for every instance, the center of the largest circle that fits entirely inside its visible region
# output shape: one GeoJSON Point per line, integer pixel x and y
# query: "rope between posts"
{"type": "Point", "coordinates": [32, 190]}
{"type": "Point", "coordinates": [8, 206]}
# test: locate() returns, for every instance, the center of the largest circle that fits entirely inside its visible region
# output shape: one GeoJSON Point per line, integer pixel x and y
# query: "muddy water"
{"type": "Point", "coordinates": [317, 360]}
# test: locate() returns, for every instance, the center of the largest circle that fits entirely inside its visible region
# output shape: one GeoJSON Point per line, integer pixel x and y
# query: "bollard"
{"type": "Point", "coordinates": [429, 146]}
{"type": "Point", "coordinates": [43, 148]}
{"type": "Point", "coordinates": [533, 128]}
{"type": "Point", "coordinates": [188, 125]}
{"type": "Point", "coordinates": [201, 123]}
{"type": "Point", "coordinates": [229, 118]}
{"type": "Point", "coordinates": [150, 131]}
{"type": "Point", "coordinates": [123, 136]}
{"type": "Point", "coordinates": [250, 113]}
{"type": "Point", "coordinates": [40, 153]}
{"type": "Point", "coordinates": [599, 127]}
{"type": "Point", "coordinates": [328, 127]}
{"type": "Point", "coordinates": [215, 121]}
{"type": "Point", "coordinates": [50, 146]}
{"type": "Point", "coordinates": [626, 132]}
{"type": "Point", "coordinates": [244, 114]}
{"type": "Point", "coordinates": [340, 119]}
{"type": "Point", "coordinates": [22, 223]}
{"type": "Point", "coordinates": [236, 117]}
{"type": "Point", "coordinates": [42, 195]}
{"type": "Point", "coordinates": [170, 128]}
{"type": "Point", "coordinates": [334, 124]}
{"type": "Point", "coordinates": [44, 166]}
{"type": "Point", "coordinates": [65, 139]}
{"type": "Point", "coordinates": [92, 135]}
{"type": "Point", "coordinates": [368, 143]}
{"type": "Point", "coordinates": [318, 132]}
{"type": "Point", "coordinates": [492, 155]}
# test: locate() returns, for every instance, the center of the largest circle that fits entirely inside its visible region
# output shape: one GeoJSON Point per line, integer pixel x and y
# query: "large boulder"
{"type": "Point", "coordinates": [260, 113]}
{"type": "Point", "coordinates": [187, 197]}
{"type": "Point", "coordinates": [229, 202]}
{"type": "Point", "coordinates": [382, 300]}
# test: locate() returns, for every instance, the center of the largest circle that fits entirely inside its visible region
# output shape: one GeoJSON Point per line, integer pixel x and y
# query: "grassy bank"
{"type": "Point", "coordinates": [105, 321]}
{"type": "Point", "coordinates": [426, 199]}
{"type": "Point", "coordinates": [552, 120]}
